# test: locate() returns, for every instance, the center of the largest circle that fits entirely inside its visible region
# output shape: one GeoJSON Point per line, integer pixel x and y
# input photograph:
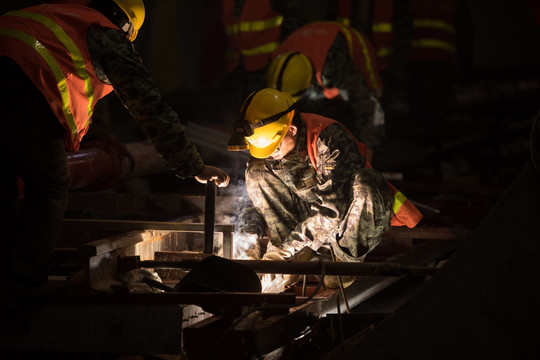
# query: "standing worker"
{"type": "Point", "coordinates": [254, 29]}
{"type": "Point", "coordinates": [57, 61]}
{"type": "Point", "coordinates": [388, 24]}
{"type": "Point", "coordinates": [330, 69]}
{"type": "Point", "coordinates": [309, 179]}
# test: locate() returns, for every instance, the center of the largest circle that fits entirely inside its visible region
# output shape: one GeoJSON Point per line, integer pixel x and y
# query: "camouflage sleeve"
{"type": "Point", "coordinates": [340, 71]}
{"type": "Point", "coordinates": [113, 54]}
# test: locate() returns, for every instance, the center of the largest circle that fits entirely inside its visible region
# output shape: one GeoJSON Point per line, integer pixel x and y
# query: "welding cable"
{"type": "Point", "coordinates": [261, 308]}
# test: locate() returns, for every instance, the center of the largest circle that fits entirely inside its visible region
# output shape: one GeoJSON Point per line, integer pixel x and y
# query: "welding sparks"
{"type": "Point", "coordinates": [244, 244]}
{"type": "Point", "coordinates": [246, 239]}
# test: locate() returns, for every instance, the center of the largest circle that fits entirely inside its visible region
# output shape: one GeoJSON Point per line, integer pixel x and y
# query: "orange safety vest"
{"type": "Point", "coordinates": [343, 14]}
{"type": "Point", "coordinates": [252, 37]}
{"type": "Point", "coordinates": [314, 41]}
{"type": "Point", "coordinates": [381, 27]}
{"type": "Point", "coordinates": [48, 42]}
{"type": "Point", "coordinates": [405, 213]}
{"type": "Point", "coordinates": [434, 34]}
{"type": "Point", "coordinates": [383, 32]}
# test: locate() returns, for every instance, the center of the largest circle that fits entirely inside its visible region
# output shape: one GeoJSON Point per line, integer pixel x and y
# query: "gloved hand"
{"type": "Point", "coordinates": [213, 173]}
{"type": "Point", "coordinates": [276, 253]}
{"type": "Point", "coordinates": [287, 253]}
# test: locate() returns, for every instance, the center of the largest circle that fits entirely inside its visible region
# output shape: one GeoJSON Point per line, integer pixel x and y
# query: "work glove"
{"type": "Point", "coordinates": [213, 173]}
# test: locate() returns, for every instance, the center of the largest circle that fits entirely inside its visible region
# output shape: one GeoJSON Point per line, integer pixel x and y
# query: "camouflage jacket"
{"type": "Point", "coordinates": [116, 62]}
{"type": "Point", "coordinates": [304, 206]}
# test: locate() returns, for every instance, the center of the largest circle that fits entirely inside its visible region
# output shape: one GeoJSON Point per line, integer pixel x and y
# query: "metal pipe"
{"type": "Point", "coordinates": [209, 216]}
{"type": "Point", "coordinates": [293, 267]}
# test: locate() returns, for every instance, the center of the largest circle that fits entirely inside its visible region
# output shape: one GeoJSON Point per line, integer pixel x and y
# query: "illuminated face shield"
{"type": "Point", "coordinates": [268, 133]}
{"type": "Point", "coordinates": [266, 140]}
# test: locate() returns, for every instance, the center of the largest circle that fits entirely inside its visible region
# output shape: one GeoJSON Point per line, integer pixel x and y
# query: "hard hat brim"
{"type": "Point", "coordinates": [263, 153]}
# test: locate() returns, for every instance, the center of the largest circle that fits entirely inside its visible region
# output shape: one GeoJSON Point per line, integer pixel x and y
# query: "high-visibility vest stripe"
{"type": "Point", "coordinates": [55, 68]}
{"type": "Point", "coordinates": [385, 51]}
{"type": "Point", "coordinates": [435, 24]}
{"type": "Point", "coordinates": [399, 199]}
{"type": "Point", "coordinates": [433, 43]}
{"type": "Point", "coordinates": [382, 27]}
{"type": "Point", "coordinates": [74, 52]}
{"type": "Point", "coordinates": [369, 63]}
{"type": "Point", "coordinates": [343, 20]}
{"type": "Point", "coordinates": [261, 49]}
{"type": "Point", "coordinates": [249, 26]}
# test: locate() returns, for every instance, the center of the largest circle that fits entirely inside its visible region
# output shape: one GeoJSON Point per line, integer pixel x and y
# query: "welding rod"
{"type": "Point", "coordinates": [291, 267]}
{"type": "Point", "coordinates": [209, 216]}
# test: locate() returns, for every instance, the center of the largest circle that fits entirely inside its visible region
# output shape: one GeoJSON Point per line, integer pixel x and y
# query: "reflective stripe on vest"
{"type": "Point", "coordinates": [76, 58]}
{"type": "Point", "coordinates": [399, 199]}
{"type": "Point", "coordinates": [383, 28]}
{"type": "Point", "coordinates": [344, 12]}
{"type": "Point", "coordinates": [428, 24]}
{"type": "Point", "coordinates": [370, 71]}
{"type": "Point", "coordinates": [254, 25]}
{"type": "Point", "coordinates": [262, 25]}
{"type": "Point", "coordinates": [434, 34]}
{"type": "Point", "coordinates": [60, 79]}
{"type": "Point", "coordinates": [253, 35]}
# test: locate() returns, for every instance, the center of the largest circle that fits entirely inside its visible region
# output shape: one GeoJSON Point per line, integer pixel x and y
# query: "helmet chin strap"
{"type": "Point", "coordinates": [244, 128]}
{"type": "Point", "coordinates": [272, 118]}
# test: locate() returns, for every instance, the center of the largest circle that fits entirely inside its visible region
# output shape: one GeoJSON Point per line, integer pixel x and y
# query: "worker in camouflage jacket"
{"type": "Point", "coordinates": [57, 61]}
{"type": "Point", "coordinates": [308, 178]}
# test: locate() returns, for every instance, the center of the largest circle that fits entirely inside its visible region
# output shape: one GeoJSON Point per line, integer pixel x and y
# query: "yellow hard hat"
{"type": "Point", "coordinates": [290, 72]}
{"type": "Point", "coordinates": [265, 119]}
{"type": "Point", "coordinates": [135, 12]}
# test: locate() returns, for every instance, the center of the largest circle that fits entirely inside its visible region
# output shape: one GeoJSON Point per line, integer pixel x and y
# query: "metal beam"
{"type": "Point", "coordinates": [129, 225]}
{"type": "Point", "coordinates": [292, 267]}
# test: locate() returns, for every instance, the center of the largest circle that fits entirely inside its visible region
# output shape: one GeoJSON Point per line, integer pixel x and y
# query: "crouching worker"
{"type": "Point", "coordinates": [308, 178]}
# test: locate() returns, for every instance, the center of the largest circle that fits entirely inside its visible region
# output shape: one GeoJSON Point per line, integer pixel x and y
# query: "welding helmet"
{"type": "Point", "coordinates": [290, 72]}
{"type": "Point", "coordinates": [265, 118]}
{"type": "Point", "coordinates": [134, 10]}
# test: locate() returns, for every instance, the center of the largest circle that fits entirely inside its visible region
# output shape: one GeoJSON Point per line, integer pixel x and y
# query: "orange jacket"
{"type": "Point", "coordinates": [434, 34]}
{"type": "Point", "coordinates": [49, 44]}
{"type": "Point", "coordinates": [405, 213]}
{"type": "Point", "coordinates": [314, 41]}
{"type": "Point", "coordinates": [382, 30]}
{"type": "Point", "coordinates": [252, 37]}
